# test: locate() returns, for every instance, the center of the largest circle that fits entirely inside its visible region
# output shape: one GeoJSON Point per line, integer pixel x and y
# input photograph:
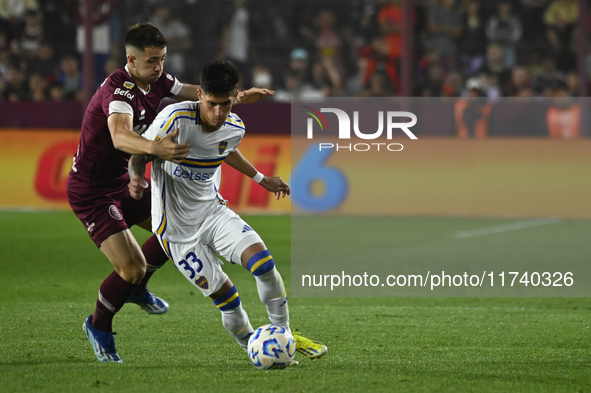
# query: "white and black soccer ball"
{"type": "Point", "coordinates": [271, 347]}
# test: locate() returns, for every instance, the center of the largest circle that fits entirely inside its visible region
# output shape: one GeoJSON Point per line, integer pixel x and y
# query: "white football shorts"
{"type": "Point", "coordinates": [223, 233]}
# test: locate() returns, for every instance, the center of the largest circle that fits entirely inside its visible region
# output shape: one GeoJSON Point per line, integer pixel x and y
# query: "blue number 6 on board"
{"type": "Point", "coordinates": [311, 169]}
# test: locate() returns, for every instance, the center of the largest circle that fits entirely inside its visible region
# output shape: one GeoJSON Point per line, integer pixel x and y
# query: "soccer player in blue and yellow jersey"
{"type": "Point", "coordinates": [193, 222]}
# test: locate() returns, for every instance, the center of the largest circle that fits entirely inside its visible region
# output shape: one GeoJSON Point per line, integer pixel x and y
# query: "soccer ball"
{"type": "Point", "coordinates": [271, 347]}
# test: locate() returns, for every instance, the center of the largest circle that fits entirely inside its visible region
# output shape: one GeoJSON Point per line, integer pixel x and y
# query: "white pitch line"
{"type": "Point", "coordinates": [506, 227]}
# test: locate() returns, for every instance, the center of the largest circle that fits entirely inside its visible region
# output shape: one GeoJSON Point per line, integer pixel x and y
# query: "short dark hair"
{"type": "Point", "coordinates": [142, 35]}
{"type": "Point", "coordinates": [219, 77]}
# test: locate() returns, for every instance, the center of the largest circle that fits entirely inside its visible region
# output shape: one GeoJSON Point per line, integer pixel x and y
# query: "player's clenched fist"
{"type": "Point", "coordinates": [136, 187]}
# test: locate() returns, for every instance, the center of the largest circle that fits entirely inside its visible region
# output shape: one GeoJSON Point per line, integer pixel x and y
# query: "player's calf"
{"type": "Point", "coordinates": [270, 287]}
{"type": "Point", "coordinates": [234, 318]}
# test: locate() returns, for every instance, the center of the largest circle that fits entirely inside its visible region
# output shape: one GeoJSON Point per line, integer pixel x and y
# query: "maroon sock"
{"type": "Point", "coordinates": [155, 258]}
{"type": "Point", "coordinates": [113, 293]}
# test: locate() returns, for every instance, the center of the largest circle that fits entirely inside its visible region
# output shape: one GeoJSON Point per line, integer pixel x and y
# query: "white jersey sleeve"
{"type": "Point", "coordinates": [177, 87]}
{"type": "Point", "coordinates": [120, 107]}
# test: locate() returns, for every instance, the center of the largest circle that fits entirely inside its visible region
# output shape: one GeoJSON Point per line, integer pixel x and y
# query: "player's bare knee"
{"type": "Point", "coordinates": [139, 272]}
{"type": "Point", "coordinates": [132, 272]}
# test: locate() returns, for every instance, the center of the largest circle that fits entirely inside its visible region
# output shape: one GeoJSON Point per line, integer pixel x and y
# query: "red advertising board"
{"type": "Point", "coordinates": [35, 166]}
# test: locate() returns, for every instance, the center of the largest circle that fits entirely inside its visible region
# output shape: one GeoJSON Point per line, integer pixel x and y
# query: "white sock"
{"type": "Point", "coordinates": [237, 324]}
{"type": "Point", "coordinates": [272, 294]}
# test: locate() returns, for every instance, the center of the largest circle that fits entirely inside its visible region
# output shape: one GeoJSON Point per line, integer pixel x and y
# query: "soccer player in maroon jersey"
{"type": "Point", "coordinates": [122, 108]}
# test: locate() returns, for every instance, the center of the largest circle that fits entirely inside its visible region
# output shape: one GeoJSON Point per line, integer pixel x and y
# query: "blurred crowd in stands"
{"type": "Point", "coordinates": [303, 48]}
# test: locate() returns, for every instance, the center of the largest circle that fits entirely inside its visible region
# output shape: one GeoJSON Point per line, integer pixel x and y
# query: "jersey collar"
{"type": "Point", "coordinates": [140, 89]}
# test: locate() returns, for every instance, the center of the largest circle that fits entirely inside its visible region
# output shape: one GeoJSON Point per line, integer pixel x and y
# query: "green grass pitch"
{"type": "Point", "coordinates": [51, 271]}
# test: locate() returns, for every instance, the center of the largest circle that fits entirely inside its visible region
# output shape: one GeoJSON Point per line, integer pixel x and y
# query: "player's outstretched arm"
{"type": "Point", "coordinates": [188, 93]}
{"type": "Point", "coordinates": [124, 139]}
{"type": "Point", "coordinates": [273, 184]}
{"type": "Point", "coordinates": [252, 95]}
{"type": "Point", "coordinates": [237, 161]}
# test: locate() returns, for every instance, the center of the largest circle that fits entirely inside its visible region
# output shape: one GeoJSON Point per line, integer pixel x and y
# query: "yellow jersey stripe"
{"type": "Point", "coordinates": [203, 163]}
{"type": "Point", "coordinates": [191, 114]}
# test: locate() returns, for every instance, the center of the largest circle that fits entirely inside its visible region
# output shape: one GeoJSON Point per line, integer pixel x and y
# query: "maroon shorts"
{"type": "Point", "coordinates": [109, 211]}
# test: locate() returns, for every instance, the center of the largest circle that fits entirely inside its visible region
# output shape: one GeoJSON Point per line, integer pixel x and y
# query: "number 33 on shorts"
{"type": "Point", "coordinates": [200, 266]}
{"type": "Point", "coordinates": [190, 265]}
